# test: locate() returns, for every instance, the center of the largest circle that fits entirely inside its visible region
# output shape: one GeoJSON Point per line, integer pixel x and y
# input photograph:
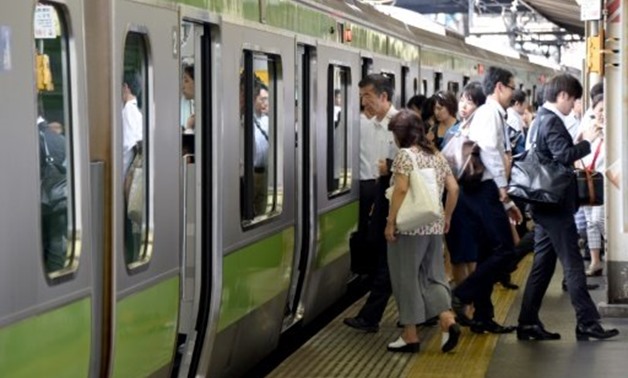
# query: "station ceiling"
{"type": "Point", "coordinates": [564, 13]}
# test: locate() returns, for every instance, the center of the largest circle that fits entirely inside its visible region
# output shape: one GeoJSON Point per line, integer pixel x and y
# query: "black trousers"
{"type": "Point", "coordinates": [493, 238]}
{"type": "Point", "coordinates": [367, 199]}
{"type": "Point", "coordinates": [556, 238]}
{"type": "Point", "coordinates": [375, 305]}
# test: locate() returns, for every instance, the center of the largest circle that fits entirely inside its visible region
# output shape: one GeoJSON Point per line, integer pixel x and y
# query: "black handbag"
{"type": "Point", "coordinates": [54, 184]}
{"type": "Point", "coordinates": [539, 181]}
{"type": "Point", "coordinates": [590, 183]}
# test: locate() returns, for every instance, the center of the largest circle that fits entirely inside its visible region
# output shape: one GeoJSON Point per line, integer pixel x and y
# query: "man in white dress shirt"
{"type": "Point", "coordinates": [489, 204]}
{"type": "Point", "coordinates": [376, 148]}
{"type": "Point", "coordinates": [132, 119]}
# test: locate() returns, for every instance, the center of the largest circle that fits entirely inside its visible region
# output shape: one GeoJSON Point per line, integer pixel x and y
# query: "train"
{"type": "Point", "coordinates": [139, 235]}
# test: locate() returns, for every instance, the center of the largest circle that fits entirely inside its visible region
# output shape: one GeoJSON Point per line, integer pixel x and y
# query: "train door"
{"type": "Point", "coordinates": [337, 122]}
{"type": "Point", "coordinates": [198, 307]}
{"type": "Point", "coordinates": [304, 84]}
{"type": "Point", "coordinates": [257, 212]}
{"type": "Point", "coordinates": [48, 314]}
{"type": "Point", "coordinates": [145, 187]}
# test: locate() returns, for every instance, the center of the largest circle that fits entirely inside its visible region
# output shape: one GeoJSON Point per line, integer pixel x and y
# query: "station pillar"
{"type": "Point", "coordinates": [616, 141]}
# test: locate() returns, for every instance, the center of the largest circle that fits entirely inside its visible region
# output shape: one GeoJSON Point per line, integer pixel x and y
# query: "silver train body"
{"type": "Point", "coordinates": [209, 265]}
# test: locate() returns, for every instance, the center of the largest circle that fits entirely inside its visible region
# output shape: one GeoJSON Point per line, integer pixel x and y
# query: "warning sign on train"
{"type": "Point", "coordinates": [45, 18]}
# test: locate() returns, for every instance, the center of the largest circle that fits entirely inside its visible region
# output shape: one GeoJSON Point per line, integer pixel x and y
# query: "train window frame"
{"type": "Point", "coordinates": [273, 172]}
{"type": "Point", "coordinates": [45, 82]}
{"type": "Point", "coordinates": [438, 78]}
{"type": "Point", "coordinates": [146, 237]}
{"type": "Point", "coordinates": [343, 186]}
{"type": "Point", "coordinates": [454, 87]}
{"type": "Point", "coordinates": [403, 93]}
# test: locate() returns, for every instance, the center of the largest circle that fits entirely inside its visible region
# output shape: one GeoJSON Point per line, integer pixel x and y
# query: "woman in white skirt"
{"type": "Point", "coordinates": [415, 258]}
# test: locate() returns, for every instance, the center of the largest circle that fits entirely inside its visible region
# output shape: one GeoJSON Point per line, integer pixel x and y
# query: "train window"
{"type": "Point", "coordinates": [404, 81]}
{"type": "Point", "coordinates": [453, 87]}
{"type": "Point", "coordinates": [135, 152]}
{"type": "Point", "coordinates": [391, 77]}
{"type": "Point", "coordinates": [424, 87]}
{"type": "Point", "coordinates": [261, 176]}
{"type": "Point", "coordinates": [465, 80]}
{"type": "Point", "coordinates": [415, 86]}
{"type": "Point", "coordinates": [367, 66]}
{"type": "Point", "coordinates": [338, 165]}
{"type": "Point", "coordinates": [438, 78]}
{"type": "Point", "coordinates": [59, 234]}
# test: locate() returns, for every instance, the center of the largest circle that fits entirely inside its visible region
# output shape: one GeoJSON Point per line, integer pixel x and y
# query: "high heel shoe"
{"type": "Point", "coordinates": [594, 270]}
{"type": "Point", "coordinates": [452, 340]}
{"type": "Point", "coordinates": [401, 346]}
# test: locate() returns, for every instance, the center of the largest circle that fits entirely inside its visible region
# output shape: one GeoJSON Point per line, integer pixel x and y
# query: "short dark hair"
{"type": "Point", "coordinates": [474, 92]}
{"type": "Point", "coordinates": [596, 90]}
{"type": "Point", "coordinates": [597, 99]}
{"type": "Point", "coordinates": [427, 110]}
{"type": "Point", "coordinates": [189, 70]}
{"type": "Point", "coordinates": [448, 100]}
{"type": "Point", "coordinates": [562, 83]}
{"type": "Point", "coordinates": [416, 102]}
{"type": "Point", "coordinates": [518, 96]}
{"type": "Point", "coordinates": [496, 75]}
{"type": "Point", "coordinates": [409, 130]}
{"type": "Point", "coordinates": [381, 84]}
{"type": "Point", "coordinates": [133, 80]}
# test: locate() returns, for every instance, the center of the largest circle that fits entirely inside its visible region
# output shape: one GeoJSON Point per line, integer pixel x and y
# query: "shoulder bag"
{"type": "Point", "coordinates": [463, 156]}
{"type": "Point", "coordinates": [590, 183]}
{"type": "Point", "coordinates": [539, 181]}
{"type": "Point", "coordinates": [421, 203]}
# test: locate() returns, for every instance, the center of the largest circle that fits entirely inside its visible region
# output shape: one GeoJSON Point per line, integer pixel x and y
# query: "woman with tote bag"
{"type": "Point", "coordinates": [415, 257]}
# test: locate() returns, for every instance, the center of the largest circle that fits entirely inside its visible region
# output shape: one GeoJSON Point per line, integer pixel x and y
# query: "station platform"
{"type": "Point", "coordinates": [340, 351]}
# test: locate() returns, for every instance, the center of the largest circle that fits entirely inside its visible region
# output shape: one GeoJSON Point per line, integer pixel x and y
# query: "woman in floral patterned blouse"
{"type": "Point", "coordinates": [415, 258]}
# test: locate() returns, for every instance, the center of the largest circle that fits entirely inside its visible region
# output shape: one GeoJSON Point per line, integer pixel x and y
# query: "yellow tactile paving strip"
{"type": "Point", "coordinates": [339, 351]}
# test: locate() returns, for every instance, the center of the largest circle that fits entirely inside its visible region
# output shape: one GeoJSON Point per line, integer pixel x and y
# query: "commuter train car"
{"type": "Point", "coordinates": [140, 235]}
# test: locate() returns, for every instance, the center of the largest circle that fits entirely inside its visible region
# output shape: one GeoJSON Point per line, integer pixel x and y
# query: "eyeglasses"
{"type": "Point", "coordinates": [508, 86]}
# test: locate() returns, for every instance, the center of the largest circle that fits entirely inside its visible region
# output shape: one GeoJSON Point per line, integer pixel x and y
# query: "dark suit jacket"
{"type": "Point", "coordinates": [554, 142]}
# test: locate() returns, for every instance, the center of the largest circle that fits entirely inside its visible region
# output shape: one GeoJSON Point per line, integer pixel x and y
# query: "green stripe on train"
{"type": "Point", "coordinates": [334, 229]}
{"type": "Point", "coordinates": [254, 275]}
{"type": "Point", "coordinates": [52, 344]}
{"type": "Point", "coordinates": [146, 326]}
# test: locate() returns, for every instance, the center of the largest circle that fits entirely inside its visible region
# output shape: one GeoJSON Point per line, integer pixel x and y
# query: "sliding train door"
{"type": "Point", "coordinates": [200, 259]}
{"type": "Point", "coordinates": [336, 144]}
{"type": "Point", "coordinates": [46, 207]}
{"type": "Point", "coordinates": [256, 187]}
{"type": "Point", "coordinates": [145, 187]}
{"type": "Point", "coordinates": [305, 180]}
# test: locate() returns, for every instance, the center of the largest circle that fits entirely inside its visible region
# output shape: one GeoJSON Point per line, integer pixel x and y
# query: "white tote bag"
{"type": "Point", "coordinates": [421, 204]}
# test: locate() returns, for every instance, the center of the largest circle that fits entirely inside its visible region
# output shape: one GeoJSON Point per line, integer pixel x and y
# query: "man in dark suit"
{"type": "Point", "coordinates": [555, 228]}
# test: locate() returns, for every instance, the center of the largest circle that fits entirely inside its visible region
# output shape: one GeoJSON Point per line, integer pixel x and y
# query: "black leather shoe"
{"type": "Point", "coordinates": [361, 324]}
{"type": "Point", "coordinates": [535, 332]}
{"type": "Point", "coordinates": [458, 306]}
{"type": "Point", "coordinates": [491, 327]}
{"type": "Point", "coordinates": [454, 336]}
{"type": "Point", "coordinates": [594, 330]}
